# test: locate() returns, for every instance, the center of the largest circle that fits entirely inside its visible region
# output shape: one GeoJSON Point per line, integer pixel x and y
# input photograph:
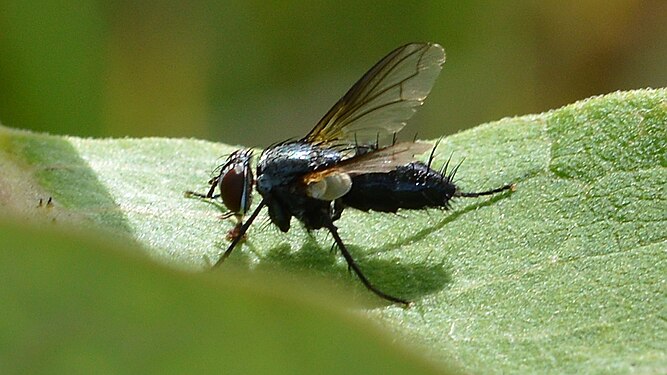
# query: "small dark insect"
{"type": "Point", "coordinates": [49, 202]}
{"type": "Point", "coordinates": [315, 178]}
{"type": "Point", "coordinates": [235, 182]}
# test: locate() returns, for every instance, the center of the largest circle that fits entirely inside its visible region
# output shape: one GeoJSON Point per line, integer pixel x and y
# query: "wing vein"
{"type": "Point", "coordinates": [384, 98]}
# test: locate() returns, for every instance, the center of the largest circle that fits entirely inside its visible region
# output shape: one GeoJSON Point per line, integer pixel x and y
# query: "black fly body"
{"type": "Point", "coordinates": [315, 178]}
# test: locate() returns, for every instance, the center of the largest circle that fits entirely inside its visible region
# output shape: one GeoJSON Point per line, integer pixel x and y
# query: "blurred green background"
{"type": "Point", "coordinates": [255, 72]}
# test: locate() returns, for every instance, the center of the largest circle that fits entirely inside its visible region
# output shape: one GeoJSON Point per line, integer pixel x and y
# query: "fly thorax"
{"type": "Point", "coordinates": [263, 185]}
{"type": "Point", "coordinates": [284, 164]}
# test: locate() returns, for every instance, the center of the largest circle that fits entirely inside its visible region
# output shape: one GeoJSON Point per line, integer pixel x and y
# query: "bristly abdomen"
{"type": "Point", "coordinates": [414, 186]}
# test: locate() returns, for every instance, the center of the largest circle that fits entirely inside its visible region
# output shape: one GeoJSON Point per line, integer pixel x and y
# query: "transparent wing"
{"type": "Point", "coordinates": [385, 98]}
{"type": "Point", "coordinates": [381, 160]}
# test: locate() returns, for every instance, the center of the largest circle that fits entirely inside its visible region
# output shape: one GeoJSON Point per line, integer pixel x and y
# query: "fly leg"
{"type": "Point", "coordinates": [510, 187]}
{"type": "Point", "coordinates": [190, 194]}
{"type": "Point", "coordinates": [213, 182]}
{"type": "Point", "coordinates": [240, 234]}
{"type": "Point", "coordinates": [233, 233]}
{"type": "Point", "coordinates": [353, 265]}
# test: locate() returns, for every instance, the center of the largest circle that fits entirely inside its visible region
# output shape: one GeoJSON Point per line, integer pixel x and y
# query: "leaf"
{"type": "Point", "coordinates": [74, 305]}
{"type": "Point", "coordinates": [567, 274]}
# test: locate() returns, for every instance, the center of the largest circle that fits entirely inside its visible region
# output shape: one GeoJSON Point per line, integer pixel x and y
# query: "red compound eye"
{"type": "Point", "coordinates": [236, 182]}
{"type": "Point", "coordinates": [236, 189]}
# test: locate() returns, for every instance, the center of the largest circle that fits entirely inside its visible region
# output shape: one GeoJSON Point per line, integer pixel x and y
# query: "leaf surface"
{"type": "Point", "coordinates": [566, 274]}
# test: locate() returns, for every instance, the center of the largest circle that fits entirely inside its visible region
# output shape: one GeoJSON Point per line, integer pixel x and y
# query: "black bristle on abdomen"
{"type": "Point", "coordinates": [414, 186]}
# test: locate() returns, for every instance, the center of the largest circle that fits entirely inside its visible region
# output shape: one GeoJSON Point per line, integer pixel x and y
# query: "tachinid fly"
{"type": "Point", "coordinates": [315, 178]}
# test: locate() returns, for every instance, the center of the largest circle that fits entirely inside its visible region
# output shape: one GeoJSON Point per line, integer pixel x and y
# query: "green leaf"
{"type": "Point", "coordinates": [72, 304]}
{"type": "Point", "coordinates": [566, 274]}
